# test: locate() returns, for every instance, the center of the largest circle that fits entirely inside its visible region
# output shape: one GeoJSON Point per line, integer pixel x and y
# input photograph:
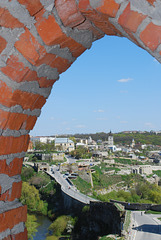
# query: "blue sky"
{"type": "Point", "coordinates": [115, 86]}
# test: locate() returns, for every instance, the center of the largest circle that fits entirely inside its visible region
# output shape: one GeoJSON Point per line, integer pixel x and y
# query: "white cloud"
{"type": "Point", "coordinates": [124, 80]}
{"type": "Point", "coordinates": [64, 123]}
{"type": "Point", "coordinates": [148, 124]}
{"type": "Point", "coordinates": [124, 122]}
{"type": "Point", "coordinates": [99, 110]}
{"type": "Point", "coordinates": [101, 119]}
{"type": "Point", "coordinates": [80, 126]}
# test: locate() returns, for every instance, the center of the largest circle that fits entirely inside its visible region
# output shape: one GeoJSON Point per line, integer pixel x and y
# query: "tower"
{"type": "Point", "coordinates": [110, 139]}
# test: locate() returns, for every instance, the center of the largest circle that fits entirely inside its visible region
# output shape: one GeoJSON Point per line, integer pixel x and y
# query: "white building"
{"type": "Point", "coordinates": [47, 139]}
{"type": "Point", "coordinates": [64, 144]}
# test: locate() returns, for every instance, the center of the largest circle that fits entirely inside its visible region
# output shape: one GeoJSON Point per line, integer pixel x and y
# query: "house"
{"type": "Point", "coordinates": [64, 144]}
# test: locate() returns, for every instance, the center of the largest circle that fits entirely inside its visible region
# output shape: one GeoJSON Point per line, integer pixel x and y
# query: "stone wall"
{"type": "Point", "coordinates": [138, 206]}
{"type": "Point", "coordinates": [38, 41]}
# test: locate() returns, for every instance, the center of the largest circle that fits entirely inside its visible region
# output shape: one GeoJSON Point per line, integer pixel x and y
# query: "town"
{"type": "Point", "coordinates": [87, 170]}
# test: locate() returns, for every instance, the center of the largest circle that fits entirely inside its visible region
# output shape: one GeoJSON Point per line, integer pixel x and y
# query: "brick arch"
{"type": "Point", "coordinates": [38, 41]}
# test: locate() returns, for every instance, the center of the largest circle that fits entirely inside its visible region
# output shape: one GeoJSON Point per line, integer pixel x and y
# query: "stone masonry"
{"type": "Point", "coordinates": [40, 39]}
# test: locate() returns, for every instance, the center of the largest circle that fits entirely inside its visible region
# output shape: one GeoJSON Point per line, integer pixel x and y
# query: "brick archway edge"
{"type": "Point", "coordinates": [38, 41]}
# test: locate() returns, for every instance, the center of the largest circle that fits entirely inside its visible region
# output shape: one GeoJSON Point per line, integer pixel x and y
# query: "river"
{"type": "Point", "coordinates": [42, 228]}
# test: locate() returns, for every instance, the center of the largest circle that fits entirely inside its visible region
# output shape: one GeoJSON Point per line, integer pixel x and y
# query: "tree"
{"type": "Point", "coordinates": [30, 197]}
{"type": "Point", "coordinates": [31, 225]}
{"type": "Point", "coordinates": [27, 173]}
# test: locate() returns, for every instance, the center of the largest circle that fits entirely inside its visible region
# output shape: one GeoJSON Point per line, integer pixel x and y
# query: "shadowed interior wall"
{"type": "Point", "coordinates": [39, 40]}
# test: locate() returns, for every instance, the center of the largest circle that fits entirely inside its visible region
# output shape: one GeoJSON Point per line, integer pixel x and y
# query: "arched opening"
{"type": "Point", "coordinates": [40, 40]}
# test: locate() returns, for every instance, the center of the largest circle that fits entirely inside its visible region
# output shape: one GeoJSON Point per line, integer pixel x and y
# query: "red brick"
{"type": "Point", "coordinates": [8, 21]}
{"type": "Point", "coordinates": [130, 20]}
{"type": "Point", "coordinates": [151, 2]}
{"type": "Point", "coordinates": [5, 94]}
{"type": "Point", "coordinates": [15, 121]}
{"type": "Point", "coordinates": [110, 8]}
{"type": "Point", "coordinates": [29, 47]}
{"type": "Point", "coordinates": [102, 22]}
{"type": "Point", "coordinates": [3, 118]}
{"type": "Point", "coordinates": [44, 82]}
{"type": "Point", "coordinates": [31, 76]}
{"type": "Point", "coordinates": [3, 44]}
{"type": "Point", "coordinates": [15, 69]}
{"type": "Point", "coordinates": [32, 6]}
{"type": "Point", "coordinates": [86, 25]}
{"type": "Point", "coordinates": [14, 168]}
{"type": "Point", "coordinates": [151, 36]}
{"type": "Point", "coordinates": [61, 64]}
{"type": "Point", "coordinates": [31, 120]}
{"type": "Point", "coordinates": [12, 121]}
{"type": "Point", "coordinates": [84, 5]}
{"type": "Point", "coordinates": [21, 236]}
{"type": "Point", "coordinates": [75, 48]}
{"type": "Point", "coordinates": [13, 193]}
{"type": "Point", "coordinates": [47, 59]}
{"type": "Point", "coordinates": [11, 144]}
{"type": "Point", "coordinates": [68, 12]}
{"type": "Point", "coordinates": [13, 217]}
{"type": "Point", "coordinates": [27, 100]}
{"type": "Point", "coordinates": [49, 30]}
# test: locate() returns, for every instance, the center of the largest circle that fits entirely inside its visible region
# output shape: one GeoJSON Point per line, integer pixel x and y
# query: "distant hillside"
{"type": "Point", "coordinates": [125, 138]}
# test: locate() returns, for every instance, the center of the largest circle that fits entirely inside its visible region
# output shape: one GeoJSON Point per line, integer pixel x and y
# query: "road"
{"type": "Point", "coordinates": [69, 188]}
{"type": "Point", "coordinates": [70, 159]}
{"type": "Point", "coordinates": [145, 226]}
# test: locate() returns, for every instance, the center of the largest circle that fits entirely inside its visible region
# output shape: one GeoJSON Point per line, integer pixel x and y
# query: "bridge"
{"type": "Point", "coordinates": [68, 188]}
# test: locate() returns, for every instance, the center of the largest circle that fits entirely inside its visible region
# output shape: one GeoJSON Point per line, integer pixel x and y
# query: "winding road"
{"type": "Point", "coordinates": [68, 188]}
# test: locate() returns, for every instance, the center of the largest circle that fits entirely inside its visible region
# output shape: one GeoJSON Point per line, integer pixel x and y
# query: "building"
{"type": "Point", "coordinates": [64, 144]}
{"type": "Point", "coordinates": [142, 169]}
{"type": "Point", "coordinates": [110, 139]}
{"type": "Point", "coordinates": [133, 143]}
{"type": "Point", "coordinates": [58, 156]}
{"type": "Point", "coordinates": [43, 166]}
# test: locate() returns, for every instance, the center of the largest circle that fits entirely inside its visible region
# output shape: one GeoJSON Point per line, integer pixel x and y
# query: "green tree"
{"type": "Point", "coordinates": [30, 197]}
{"type": "Point", "coordinates": [31, 225]}
{"type": "Point", "coordinates": [27, 173]}
{"type": "Point", "coordinates": [62, 225]}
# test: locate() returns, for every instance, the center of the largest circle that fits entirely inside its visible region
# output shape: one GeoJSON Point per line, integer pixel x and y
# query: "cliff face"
{"type": "Point", "coordinates": [99, 220]}
{"type": "Point", "coordinates": [38, 41]}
